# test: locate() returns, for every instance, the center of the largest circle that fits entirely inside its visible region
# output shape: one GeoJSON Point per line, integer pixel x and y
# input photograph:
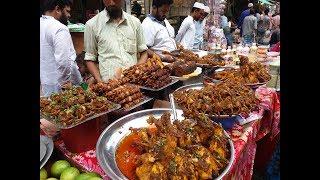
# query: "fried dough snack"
{"type": "Point", "coordinates": [224, 98]}
{"type": "Point", "coordinates": [189, 149]}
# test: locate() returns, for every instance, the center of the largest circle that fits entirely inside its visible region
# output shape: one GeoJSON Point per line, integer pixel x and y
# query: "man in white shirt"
{"type": "Point", "coordinates": [57, 54]}
{"type": "Point", "coordinates": [187, 29]}
{"type": "Point", "coordinates": [198, 39]}
{"type": "Point", "coordinates": [158, 32]}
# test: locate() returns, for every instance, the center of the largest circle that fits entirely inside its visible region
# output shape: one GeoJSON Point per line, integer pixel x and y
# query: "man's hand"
{"type": "Point", "coordinates": [118, 73]}
{"type": "Point", "coordinates": [66, 85]}
{"type": "Point", "coordinates": [94, 70]}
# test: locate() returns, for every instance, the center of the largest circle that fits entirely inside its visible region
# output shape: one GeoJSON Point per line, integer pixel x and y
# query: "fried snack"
{"type": "Point", "coordinates": [212, 59]}
{"type": "Point", "coordinates": [150, 74]}
{"type": "Point", "coordinates": [180, 68]}
{"type": "Point", "coordinates": [224, 98]}
{"type": "Point", "coordinates": [249, 73]}
{"type": "Point", "coordinates": [188, 149]}
{"type": "Point", "coordinates": [73, 105]}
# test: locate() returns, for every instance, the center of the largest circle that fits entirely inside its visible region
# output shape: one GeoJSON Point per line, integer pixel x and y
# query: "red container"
{"type": "Point", "coordinates": [83, 137]}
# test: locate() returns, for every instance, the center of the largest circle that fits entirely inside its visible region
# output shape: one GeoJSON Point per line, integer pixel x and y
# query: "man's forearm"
{"type": "Point", "coordinates": [93, 69]}
{"type": "Point", "coordinates": [143, 57]}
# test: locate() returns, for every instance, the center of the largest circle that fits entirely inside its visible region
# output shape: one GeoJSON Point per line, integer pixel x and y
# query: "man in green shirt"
{"type": "Point", "coordinates": [114, 38]}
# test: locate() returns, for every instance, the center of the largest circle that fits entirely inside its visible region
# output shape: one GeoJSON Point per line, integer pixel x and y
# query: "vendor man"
{"type": "Point", "coordinates": [158, 32]}
{"type": "Point", "coordinates": [187, 31]}
{"type": "Point", "coordinates": [114, 38]}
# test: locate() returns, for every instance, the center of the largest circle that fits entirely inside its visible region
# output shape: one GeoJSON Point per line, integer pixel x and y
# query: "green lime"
{"type": "Point", "coordinates": [43, 174]}
{"type": "Point", "coordinates": [58, 167]}
{"type": "Point", "coordinates": [69, 174]}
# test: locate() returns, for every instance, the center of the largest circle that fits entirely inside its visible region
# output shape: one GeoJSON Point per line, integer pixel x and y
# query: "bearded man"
{"type": "Point", "coordinates": [57, 54]}
{"type": "Point", "coordinates": [114, 39]}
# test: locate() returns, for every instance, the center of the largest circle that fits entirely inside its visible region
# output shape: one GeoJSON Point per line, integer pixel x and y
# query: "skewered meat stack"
{"type": "Point", "coordinates": [224, 98]}
{"type": "Point", "coordinates": [150, 74]}
{"type": "Point", "coordinates": [180, 68]}
{"type": "Point", "coordinates": [73, 105]}
{"type": "Point", "coordinates": [119, 91]}
{"type": "Point", "coordinates": [101, 88]}
{"type": "Point", "coordinates": [127, 95]}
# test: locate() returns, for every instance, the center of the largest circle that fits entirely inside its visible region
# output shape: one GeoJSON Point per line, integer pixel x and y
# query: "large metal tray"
{"type": "Point", "coordinates": [49, 146]}
{"type": "Point", "coordinates": [163, 87]}
{"type": "Point", "coordinates": [43, 149]}
{"type": "Point", "coordinates": [110, 138]}
{"type": "Point", "coordinates": [191, 86]}
{"type": "Point", "coordinates": [59, 125]}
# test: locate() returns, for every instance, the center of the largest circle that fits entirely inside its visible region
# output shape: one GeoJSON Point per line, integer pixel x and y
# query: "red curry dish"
{"type": "Point", "coordinates": [189, 149]}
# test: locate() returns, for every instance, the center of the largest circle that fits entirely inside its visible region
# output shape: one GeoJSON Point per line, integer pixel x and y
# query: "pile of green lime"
{"type": "Point", "coordinates": [62, 170]}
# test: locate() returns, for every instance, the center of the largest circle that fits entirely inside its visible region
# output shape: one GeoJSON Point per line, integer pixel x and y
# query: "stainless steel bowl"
{"type": "Point", "coordinates": [111, 137]}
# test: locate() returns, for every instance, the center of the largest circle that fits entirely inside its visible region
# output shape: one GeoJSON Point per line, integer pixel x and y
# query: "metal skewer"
{"type": "Point", "coordinates": [173, 107]}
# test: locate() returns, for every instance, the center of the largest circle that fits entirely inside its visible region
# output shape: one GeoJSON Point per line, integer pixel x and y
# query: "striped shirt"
{"type": "Point", "coordinates": [113, 45]}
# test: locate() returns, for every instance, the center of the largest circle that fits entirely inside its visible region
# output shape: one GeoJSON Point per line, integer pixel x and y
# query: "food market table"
{"type": "Point", "coordinates": [244, 138]}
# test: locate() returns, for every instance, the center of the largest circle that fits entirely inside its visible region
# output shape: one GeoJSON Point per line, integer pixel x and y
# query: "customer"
{"type": "Point", "coordinates": [200, 25]}
{"type": "Point", "coordinates": [226, 28]}
{"type": "Point", "coordinates": [263, 26]}
{"type": "Point", "coordinates": [136, 8]}
{"type": "Point", "coordinates": [158, 32]}
{"type": "Point", "coordinates": [115, 39]}
{"type": "Point", "coordinates": [57, 54]}
{"type": "Point", "coordinates": [275, 21]}
{"type": "Point", "coordinates": [249, 27]}
{"type": "Point", "coordinates": [187, 29]}
{"type": "Point", "coordinates": [244, 14]}
{"type": "Point", "coordinates": [275, 37]}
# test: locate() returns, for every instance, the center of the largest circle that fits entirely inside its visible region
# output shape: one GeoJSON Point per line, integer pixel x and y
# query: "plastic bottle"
{"type": "Point", "coordinates": [246, 50]}
{"type": "Point", "coordinates": [229, 51]}
{"type": "Point", "coordinates": [239, 49]}
{"type": "Point", "coordinates": [253, 48]}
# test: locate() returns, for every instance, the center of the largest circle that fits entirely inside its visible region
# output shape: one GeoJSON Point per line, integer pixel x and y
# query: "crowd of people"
{"type": "Point", "coordinates": [258, 25]}
{"type": "Point", "coordinates": [115, 40]}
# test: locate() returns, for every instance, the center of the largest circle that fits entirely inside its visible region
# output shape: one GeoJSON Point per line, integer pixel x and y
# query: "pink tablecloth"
{"type": "Point", "coordinates": [244, 138]}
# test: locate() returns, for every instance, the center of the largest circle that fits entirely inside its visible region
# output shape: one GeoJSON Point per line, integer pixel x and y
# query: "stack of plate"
{"type": "Point", "coordinates": [46, 148]}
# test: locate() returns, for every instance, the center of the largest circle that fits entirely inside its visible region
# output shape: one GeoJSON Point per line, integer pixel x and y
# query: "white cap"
{"type": "Point", "coordinates": [207, 9]}
{"type": "Point", "coordinates": [250, 5]}
{"type": "Point", "coordinates": [222, 1]}
{"type": "Point", "coordinates": [198, 5]}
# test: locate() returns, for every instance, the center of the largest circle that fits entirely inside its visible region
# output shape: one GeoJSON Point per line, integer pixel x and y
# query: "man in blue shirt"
{"type": "Point", "coordinates": [244, 14]}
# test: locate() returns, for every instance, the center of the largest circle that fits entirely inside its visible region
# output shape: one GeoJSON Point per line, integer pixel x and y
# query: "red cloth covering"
{"type": "Point", "coordinates": [244, 139]}
{"type": "Point", "coordinates": [275, 47]}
